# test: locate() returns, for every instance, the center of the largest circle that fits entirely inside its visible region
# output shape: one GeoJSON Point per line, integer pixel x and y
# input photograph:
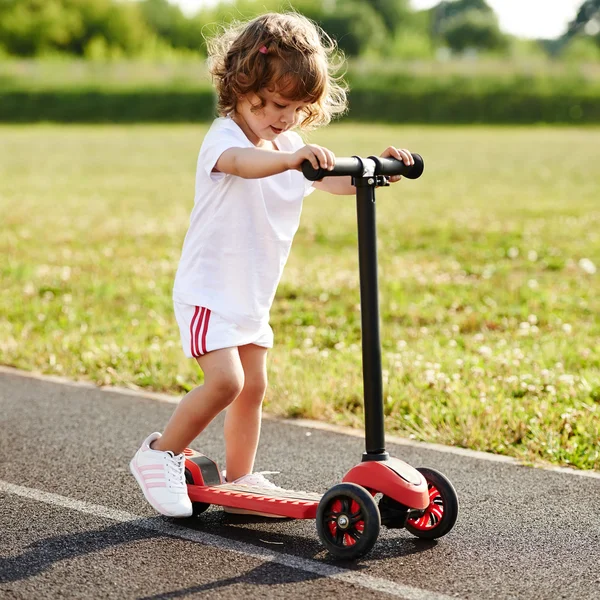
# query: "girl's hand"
{"type": "Point", "coordinates": [317, 155]}
{"type": "Point", "coordinates": [404, 155]}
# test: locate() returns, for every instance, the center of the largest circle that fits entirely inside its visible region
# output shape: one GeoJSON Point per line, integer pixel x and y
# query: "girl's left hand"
{"type": "Point", "coordinates": [401, 154]}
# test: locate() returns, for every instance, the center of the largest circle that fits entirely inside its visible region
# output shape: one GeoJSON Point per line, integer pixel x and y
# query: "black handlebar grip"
{"type": "Point", "coordinates": [353, 166]}
{"type": "Point", "coordinates": [393, 166]}
{"type": "Point", "coordinates": [343, 166]}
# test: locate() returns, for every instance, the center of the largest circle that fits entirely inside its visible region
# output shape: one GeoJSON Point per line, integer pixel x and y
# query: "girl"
{"type": "Point", "coordinates": [272, 75]}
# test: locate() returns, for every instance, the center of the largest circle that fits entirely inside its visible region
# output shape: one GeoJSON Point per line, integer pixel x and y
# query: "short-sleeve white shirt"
{"type": "Point", "coordinates": [240, 232]}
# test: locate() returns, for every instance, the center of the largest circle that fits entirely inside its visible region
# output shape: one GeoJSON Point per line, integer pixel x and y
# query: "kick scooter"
{"type": "Point", "coordinates": [348, 516]}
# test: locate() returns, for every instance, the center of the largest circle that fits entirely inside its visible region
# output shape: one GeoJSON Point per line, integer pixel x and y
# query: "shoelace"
{"type": "Point", "coordinates": [175, 470]}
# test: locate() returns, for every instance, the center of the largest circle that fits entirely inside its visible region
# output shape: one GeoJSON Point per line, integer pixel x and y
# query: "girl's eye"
{"type": "Point", "coordinates": [279, 105]}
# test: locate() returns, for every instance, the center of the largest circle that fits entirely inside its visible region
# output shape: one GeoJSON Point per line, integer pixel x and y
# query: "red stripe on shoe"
{"type": "Point", "coordinates": [194, 353]}
{"type": "Point", "coordinates": [205, 331]}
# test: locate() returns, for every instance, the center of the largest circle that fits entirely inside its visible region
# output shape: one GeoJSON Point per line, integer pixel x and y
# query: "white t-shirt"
{"type": "Point", "coordinates": [240, 233]}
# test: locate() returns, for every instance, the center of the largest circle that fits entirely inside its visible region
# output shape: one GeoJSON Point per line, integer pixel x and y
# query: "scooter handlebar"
{"type": "Point", "coordinates": [365, 167]}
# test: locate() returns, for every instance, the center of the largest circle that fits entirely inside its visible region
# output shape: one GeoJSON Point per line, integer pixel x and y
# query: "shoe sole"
{"type": "Point", "coordinates": [138, 478]}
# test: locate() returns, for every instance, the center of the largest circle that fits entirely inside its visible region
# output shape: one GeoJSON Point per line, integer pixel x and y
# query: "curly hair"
{"type": "Point", "coordinates": [286, 53]}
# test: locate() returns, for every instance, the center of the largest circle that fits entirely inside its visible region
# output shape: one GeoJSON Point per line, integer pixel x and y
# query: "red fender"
{"type": "Point", "coordinates": [393, 478]}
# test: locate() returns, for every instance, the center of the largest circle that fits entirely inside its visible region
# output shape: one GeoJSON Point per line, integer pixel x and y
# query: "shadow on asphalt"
{"type": "Point", "coordinates": [265, 574]}
{"type": "Point", "coordinates": [246, 528]}
{"type": "Point", "coordinates": [42, 554]}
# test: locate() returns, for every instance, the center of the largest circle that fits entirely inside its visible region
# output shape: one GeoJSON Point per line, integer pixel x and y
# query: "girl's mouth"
{"type": "Point", "coordinates": [275, 130]}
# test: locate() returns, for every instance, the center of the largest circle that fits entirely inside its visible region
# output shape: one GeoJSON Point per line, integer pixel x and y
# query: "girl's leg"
{"type": "Point", "coordinates": [243, 417]}
{"type": "Point", "coordinates": [223, 382]}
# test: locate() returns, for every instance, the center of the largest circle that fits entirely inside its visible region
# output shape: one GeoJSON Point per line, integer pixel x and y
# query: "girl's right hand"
{"type": "Point", "coordinates": [317, 155]}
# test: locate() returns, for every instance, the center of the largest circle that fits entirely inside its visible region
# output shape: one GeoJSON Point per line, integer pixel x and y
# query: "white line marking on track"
{"type": "Point", "coordinates": [294, 562]}
{"type": "Point", "coordinates": [306, 423]}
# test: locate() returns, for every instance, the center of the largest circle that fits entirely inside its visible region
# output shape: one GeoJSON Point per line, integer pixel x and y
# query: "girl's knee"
{"type": "Point", "coordinates": [255, 387]}
{"type": "Point", "coordinates": [227, 386]}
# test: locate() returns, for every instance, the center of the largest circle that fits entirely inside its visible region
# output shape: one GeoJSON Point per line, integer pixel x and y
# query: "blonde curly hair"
{"type": "Point", "coordinates": [286, 53]}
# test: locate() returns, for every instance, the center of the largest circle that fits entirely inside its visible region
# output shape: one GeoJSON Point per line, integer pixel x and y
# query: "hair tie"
{"type": "Point", "coordinates": [263, 49]}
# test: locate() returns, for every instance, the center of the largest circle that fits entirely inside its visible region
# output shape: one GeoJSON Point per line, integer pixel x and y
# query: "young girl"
{"type": "Point", "coordinates": [272, 75]}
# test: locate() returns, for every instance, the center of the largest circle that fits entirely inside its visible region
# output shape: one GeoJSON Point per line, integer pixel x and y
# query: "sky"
{"type": "Point", "coordinates": [524, 18]}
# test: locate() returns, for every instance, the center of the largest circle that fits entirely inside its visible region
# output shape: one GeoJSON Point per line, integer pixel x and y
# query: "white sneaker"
{"type": "Point", "coordinates": [256, 480]}
{"type": "Point", "coordinates": [253, 480]}
{"type": "Point", "coordinates": [161, 475]}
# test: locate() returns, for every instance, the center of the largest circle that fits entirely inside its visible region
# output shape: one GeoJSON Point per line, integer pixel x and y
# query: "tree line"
{"type": "Point", "coordinates": [373, 28]}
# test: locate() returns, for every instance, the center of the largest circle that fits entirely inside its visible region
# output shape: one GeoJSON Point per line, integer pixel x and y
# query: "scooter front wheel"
{"type": "Point", "coordinates": [348, 521]}
{"type": "Point", "coordinates": [441, 514]}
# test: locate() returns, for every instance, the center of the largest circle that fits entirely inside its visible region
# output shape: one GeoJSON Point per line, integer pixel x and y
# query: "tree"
{"type": "Point", "coordinates": [449, 9]}
{"type": "Point", "coordinates": [589, 12]}
{"type": "Point", "coordinates": [394, 13]}
{"type": "Point", "coordinates": [588, 17]}
{"type": "Point", "coordinates": [29, 27]}
{"type": "Point", "coordinates": [356, 27]}
{"type": "Point", "coordinates": [474, 29]}
{"type": "Point", "coordinates": [168, 22]}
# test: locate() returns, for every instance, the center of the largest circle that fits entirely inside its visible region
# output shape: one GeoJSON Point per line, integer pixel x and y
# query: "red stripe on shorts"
{"type": "Point", "coordinates": [194, 353]}
{"type": "Point", "coordinates": [205, 331]}
{"type": "Point", "coordinates": [198, 331]}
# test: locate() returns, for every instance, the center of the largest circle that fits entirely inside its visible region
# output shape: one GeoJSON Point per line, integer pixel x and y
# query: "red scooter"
{"type": "Point", "coordinates": [348, 516]}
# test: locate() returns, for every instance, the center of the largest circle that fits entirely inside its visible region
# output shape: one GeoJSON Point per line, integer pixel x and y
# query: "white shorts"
{"type": "Point", "coordinates": [203, 331]}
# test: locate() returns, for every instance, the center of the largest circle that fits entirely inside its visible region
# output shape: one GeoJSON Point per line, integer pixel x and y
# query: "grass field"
{"type": "Point", "coordinates": [489, 290]}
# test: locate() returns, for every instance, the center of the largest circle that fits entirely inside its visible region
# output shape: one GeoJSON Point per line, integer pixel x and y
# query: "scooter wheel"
{"type": "Point", "coordinates": [197, 507]}
{"type": "Point", "coordinates": [348, 521]}
{"type": "Point", "coordinates": [441, 514]}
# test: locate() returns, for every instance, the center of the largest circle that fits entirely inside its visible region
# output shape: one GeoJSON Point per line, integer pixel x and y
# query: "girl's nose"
{"type": "Point", "coordinates": [287, 117]}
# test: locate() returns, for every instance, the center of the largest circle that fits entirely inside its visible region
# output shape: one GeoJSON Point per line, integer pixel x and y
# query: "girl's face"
{"type": "Point", "coordinates": [279, 114]}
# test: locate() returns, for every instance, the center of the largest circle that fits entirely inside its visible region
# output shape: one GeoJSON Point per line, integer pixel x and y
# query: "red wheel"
{"type": "Point", "coordinates": [441, 514]}
{"type": "Point", "coordinates": [348, 521]}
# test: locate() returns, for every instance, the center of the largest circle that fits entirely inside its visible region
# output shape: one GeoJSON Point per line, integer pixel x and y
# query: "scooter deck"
{"type": "Point", "coordinates": [287, 503]}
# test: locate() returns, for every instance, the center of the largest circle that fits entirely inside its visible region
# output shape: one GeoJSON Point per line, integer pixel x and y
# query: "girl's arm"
{"type": "Point", "coordinates": [340, 186]}
{"type": "Point", "coordinates": [252, 163]}
{"type": "Point", "coordinates": [255, 163]}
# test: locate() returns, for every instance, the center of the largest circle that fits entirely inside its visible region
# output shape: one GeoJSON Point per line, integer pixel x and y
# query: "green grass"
{"type": "Point", "coordinates": [489, 300]}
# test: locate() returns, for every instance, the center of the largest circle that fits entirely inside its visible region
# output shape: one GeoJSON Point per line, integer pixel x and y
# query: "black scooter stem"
{"type": "Point", "coordinates": [366, 174]}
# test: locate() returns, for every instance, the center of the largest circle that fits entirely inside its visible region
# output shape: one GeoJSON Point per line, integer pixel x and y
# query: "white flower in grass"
{"type": "Point", "coordinates": [588, 266]}
{"type": "Point", "coordinates": [567, 328]}
{"type": "Point", "coordinates": [485, 351]}
{"type": "Point", "coordinates": [513, 252]}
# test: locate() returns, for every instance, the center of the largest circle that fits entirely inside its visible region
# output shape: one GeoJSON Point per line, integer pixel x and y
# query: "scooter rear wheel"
{"type": "Point", "coordinates": [441, 514]}
{"type": "Point", "coordinates": [348, 521]}
{"type": "Point", "coordinates": [197, 507]}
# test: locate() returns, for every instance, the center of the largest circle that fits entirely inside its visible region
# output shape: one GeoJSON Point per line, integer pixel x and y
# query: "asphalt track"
{"type": "Point", "coordinates": [74, 525]}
